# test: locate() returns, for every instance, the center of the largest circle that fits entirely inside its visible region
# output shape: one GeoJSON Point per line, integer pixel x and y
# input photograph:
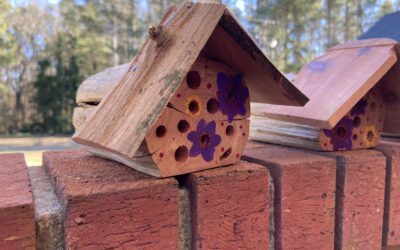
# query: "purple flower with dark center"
{"type": "Point", "coordinates": [341, 134]}
{"type": "Point", "coordinates": [359, 108]}
{"type": "Point", "coordinates": [232, 95]}
{"type": "Point", "coordinates": [204, 140]}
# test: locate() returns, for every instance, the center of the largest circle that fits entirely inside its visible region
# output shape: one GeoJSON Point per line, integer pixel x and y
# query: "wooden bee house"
{"type": "Point", "coordinates": [353, 91]}
{"type": "Point", "coordinates": [184, 103]}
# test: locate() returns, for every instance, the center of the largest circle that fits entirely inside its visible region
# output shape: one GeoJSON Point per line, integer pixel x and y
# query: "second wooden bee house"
{"type": "Point", "coordinates": [183, 105]}
{"type": "Point", "coordinates": [353, 90]}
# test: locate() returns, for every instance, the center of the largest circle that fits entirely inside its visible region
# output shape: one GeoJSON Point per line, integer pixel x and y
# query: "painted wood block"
{"type": "Point", "coordinates": [349, 89]}
{"type": "Point", "coordinates": [360, 128]}
{"type": "Point", "coordinates": [183, 104]}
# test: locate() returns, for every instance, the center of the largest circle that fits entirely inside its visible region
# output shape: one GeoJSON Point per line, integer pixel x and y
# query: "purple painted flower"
{"type": "Point", "coordinates": [341, 134]}
{"type": "Point", "coordinates": [204, 140]}
{"type": "Point", "coordinates": [359, 108]}
{"type": "Point", "coordinates": [232, 95]}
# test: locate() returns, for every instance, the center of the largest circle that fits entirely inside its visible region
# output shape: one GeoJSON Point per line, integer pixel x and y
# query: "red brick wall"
{"type": "Point", "coordinates": [17, 224]}
{"type": "Point", "coordinates": [277, 198]}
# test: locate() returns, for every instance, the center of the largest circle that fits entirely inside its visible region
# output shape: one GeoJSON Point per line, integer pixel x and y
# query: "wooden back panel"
{"type": "Point", "coordinates": [390, 91]}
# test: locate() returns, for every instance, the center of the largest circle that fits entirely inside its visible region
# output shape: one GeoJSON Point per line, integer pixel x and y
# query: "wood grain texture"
{"type": "Point", "coordinates": [389, 87]}
{"type": "Point", "coordinates": [120, 125]}
{"type": "Point", "coordinates": [360, 128]}
{"type": "Point", "coordinates": [17, 218]}
{"type": "Point", "coordinates": [266, 83]}
{"type": "Point", "coordinates": [93, 89]}
{"type": "Point", "coordinates": [124, 117]}
{"type": "Point", "coordinates": [336, 81]}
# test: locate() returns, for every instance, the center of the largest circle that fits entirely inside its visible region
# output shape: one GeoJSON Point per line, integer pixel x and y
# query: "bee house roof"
{"type": "Point", "coordinates": [337, 80]}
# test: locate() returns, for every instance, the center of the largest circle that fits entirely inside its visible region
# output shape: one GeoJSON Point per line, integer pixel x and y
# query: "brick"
{"type": "Point", "coordinates": [360, 199]}
{"type": "Point", "coordinates": [304, 195]}
{"type": "Point", "coordinates": [109, 205]}
{"type": "Point", "coordinates": [17, 227]}
{"type": "Point", "coordinates": [49, 214]}
{"type": "Point", "coordinates": [391, 222]}
{"type": "Point", "coordinates": [230, 207]}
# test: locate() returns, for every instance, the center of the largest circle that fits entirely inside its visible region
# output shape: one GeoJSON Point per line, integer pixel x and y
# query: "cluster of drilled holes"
{"type": "Point", "coordinates": [212, 106]}
{"type": "Point", "coordinates": [161, 131]}
{"type": "Point", "coordinates": [181, 153]}
{"type": "Point", "coordinates": [341, 132]}
{"type": "Point", "coordinates": [229, 130]}
{"type": "Point", "coordinates": [356, 122]}
{"type": "Point", "coordinates": [183, 126]}
{"type": "Point", "coordinates": [373, 106]}
{"type": "Point", "coordinates": [194, 106]}
{"type": "Point", "coordinates": [226, 154]}
{"type": "Point", "coordinates": [193, 79]}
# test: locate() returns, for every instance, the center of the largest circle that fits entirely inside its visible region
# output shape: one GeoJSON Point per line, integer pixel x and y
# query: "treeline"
{"type": "Point", "coordinates": [46, 51]}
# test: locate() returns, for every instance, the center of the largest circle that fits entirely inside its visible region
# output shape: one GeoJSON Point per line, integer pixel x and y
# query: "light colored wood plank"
{"type": "Point", "coordinates": [335, 82]}
{"type": "Point", "coordinates": [93, 89]}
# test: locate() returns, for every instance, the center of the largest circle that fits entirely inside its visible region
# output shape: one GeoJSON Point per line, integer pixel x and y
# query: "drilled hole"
{"type": "Point", "coordinates": [161, 131]}
{"type": "Point", "coordinates": [355, 137]}
{"type": "Point", "coordinates": [356, 122]}
{"type": "Point", "coordinates": [204, 140]}
{"type": "Point", "coordinates": [193, 79]}
{"type": "Point", "coordinates": [230, 130]}
{"type": "Point", "coordinates": [183, 126]}
{"type": "Point", "coordinates": [212, 106]}
{"type": "Point", "coordinates": [341, 131]}
{"type": "Point", "coordinates": [181, 154]}
{"type": "Point", "coordinates": [373, 106]}
{"type": "Point", "coordinates": [390, 97]}
{"type": "Point", "coordinates": [226, 154]}
{"type": "Point", "coordinates": [370, 136]}
{"type": "Point", "coordinates": [193, 107]}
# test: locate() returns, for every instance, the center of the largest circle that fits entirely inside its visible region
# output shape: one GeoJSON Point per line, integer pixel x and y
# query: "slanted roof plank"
{"type": "Point", "coordinates": [335, 82]}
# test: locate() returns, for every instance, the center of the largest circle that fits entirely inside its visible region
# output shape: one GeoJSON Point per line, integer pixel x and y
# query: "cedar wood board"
{"type": "Point", "coordinates": [121, 121]}
{"type": "Point", "coordinates": [336, 81]}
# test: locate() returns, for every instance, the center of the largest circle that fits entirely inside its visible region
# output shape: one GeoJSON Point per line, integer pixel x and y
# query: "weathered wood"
{"type": "Point", "coordinates": [94, 89]}
{"type": "Point", "coordinates": [127, 114]}
{"type": "Point", "coordinates": [336, 81]}
{"type": "Point", "coordinates": [360, 128]}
